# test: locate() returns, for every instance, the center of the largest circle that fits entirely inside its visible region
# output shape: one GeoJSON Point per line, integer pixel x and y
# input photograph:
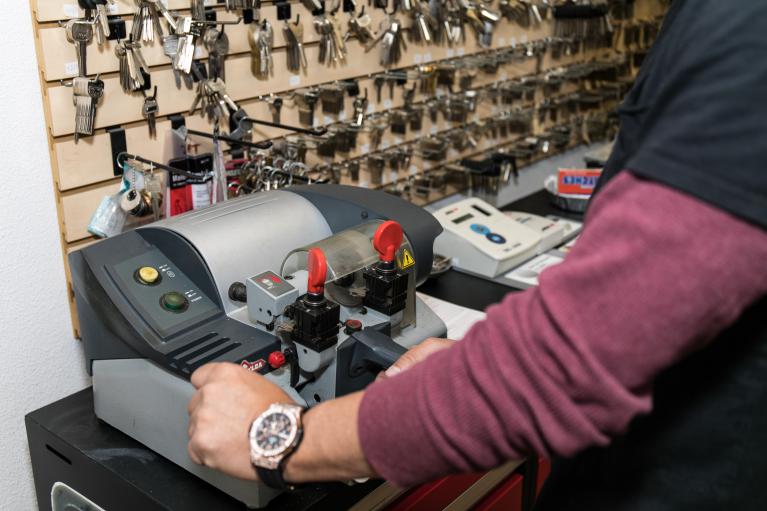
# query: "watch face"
{"type": "Point", "coordinates": [274, 433]}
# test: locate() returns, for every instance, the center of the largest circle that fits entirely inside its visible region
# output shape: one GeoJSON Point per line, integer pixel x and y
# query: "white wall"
{"type": "Point", "coordinates": [40, 361]}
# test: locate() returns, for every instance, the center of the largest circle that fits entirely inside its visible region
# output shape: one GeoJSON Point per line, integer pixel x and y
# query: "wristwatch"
{"type": "Point", "coordinates": [274, 436]}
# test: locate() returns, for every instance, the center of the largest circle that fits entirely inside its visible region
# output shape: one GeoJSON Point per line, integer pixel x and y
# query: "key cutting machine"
{"type": "Point", "coordinates": [313, 287]}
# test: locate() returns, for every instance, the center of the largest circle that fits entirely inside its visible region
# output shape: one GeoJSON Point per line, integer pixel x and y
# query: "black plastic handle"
{"type": "Point", "coordinates": [373, 351]}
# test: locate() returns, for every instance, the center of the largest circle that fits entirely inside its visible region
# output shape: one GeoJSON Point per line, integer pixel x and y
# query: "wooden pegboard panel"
{"type": "Point", "coordinates": [83, 172]}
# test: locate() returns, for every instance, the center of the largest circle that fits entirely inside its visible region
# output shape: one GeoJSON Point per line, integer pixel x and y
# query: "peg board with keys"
{"type": "Point", "coordinates": [406, 89]}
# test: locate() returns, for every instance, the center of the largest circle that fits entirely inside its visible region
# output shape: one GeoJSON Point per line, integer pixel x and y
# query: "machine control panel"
{"type": "Point", "coordinates": [487, 229]}
{"type": "Point", "coordinates": [167, 299]}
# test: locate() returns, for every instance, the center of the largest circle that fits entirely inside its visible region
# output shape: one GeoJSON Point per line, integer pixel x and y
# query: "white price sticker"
{"type": "Point", "coordinates": [198, 52]}
{"type": "Point", "coordinates": [503, 75]}
{"type": "Point", "coordinates": [523, 38]}
{"type": "Point", "coordinates": [450, 53]}
{"type": "Point", "coordinates": [295, 81]}
{"type": "Point", "coordinates": [342, 115]}
{"type": "Point", "coordinates": [393, 175]}
{"type": "Point", "coordinates": [371, 108]}
{"type": "Point", "coordinates": [385, 144]}
{"type": "Point", "coordinates": [113, 8]}
{"type": "Point", "coordinates": [364, 184]}
{"type": "Point", "coordinates": [433, 130]}
{"type": "Point", "coordinates": [71, 69]}
{"type": "Point", "coordinates": [397, 140]}
{"type": "Point", "coordinates": [513, 42]}
{"type": "Point", "coordinates": [501, 41]}
{"type": "Point", "coordinates": [413, 170]}
{"type": "Point", "coordinates": [427, 57]}
{"type": "Point", "coordinates": [365, 148]}
{"type": "Point", "coordinates": [328, 119]}
{"type": "Point", "coordinates": [70, 10]}
{"type": "Point", "coordinates": [417, 58]}
{"type": "Point", "coordinates": [461, 51]}
{"type": "Point", "coordinates": [387, 104]}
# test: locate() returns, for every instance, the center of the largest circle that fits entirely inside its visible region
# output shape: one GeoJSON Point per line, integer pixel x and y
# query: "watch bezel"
{"type": "Point", "coordinates": [271, 458]}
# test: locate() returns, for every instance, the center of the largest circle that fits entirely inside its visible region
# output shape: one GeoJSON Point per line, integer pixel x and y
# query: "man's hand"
{"type": "Point", "coordinates": [417, 354]}
{"type": "Point", "coordinates": [227, 401]}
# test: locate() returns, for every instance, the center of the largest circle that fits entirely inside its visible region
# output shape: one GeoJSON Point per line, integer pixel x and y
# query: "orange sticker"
{"type": "Point", "coordinates": [578, 181]}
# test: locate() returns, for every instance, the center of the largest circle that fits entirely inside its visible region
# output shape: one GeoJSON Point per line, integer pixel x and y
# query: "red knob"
{"type": "Point", "coordinates": [276, 359]}
{"type": "Point", "coordinates": [387, 240]}
{"type": "Point", "coordinates": [318, 270]}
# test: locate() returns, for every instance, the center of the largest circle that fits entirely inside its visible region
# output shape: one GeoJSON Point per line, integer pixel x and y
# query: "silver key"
{"type": "Point", "coordinates": [261, 44]}
{"type": "Point", "coordinates": [190, 32]}
{"type": "Point", "coordinates": [86, 95]}
{"type": "Point", "coordinates": [149, 110]}
{"type": "Point", "coordinates": [102, 16]}
{"type": "Point", "coordinates": [80, 33]}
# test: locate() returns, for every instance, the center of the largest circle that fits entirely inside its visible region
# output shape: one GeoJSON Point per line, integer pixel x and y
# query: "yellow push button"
{"type": "Point", "coordinates": [148, 275]}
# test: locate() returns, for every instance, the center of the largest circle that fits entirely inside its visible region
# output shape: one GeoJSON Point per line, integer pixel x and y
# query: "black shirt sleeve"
{"type": "Point", "coordinates": [696, 118]}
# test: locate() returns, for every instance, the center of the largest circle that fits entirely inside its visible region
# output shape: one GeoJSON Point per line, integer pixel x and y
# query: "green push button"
{"type": "Point", "coordinates": [174, 302]}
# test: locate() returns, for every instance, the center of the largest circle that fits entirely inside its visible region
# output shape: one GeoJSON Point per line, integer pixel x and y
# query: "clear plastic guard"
{"type": "Point", "coordinates": [347, 253]}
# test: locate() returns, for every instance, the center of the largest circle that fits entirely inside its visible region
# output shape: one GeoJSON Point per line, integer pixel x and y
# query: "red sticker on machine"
{"type": "Point", "coordinates": [254, 367]}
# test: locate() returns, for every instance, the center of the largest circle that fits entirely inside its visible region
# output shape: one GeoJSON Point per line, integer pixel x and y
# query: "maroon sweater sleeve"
{"type": "Point", "coordinates": [564, 366]}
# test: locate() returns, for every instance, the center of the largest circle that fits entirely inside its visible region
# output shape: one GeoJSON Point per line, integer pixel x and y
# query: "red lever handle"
{"type": "Point", "coordinates": [387, 240]}
{"type": "Point", "coordinates": [317, 266]}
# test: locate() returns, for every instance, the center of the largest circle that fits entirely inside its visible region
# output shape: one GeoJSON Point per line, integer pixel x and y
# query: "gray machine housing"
{"type": "Point", "coordinates": [141, 356]}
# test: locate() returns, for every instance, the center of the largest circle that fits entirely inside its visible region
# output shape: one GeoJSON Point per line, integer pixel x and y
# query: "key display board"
{"type": "Point", "coordinates": [419, 98]}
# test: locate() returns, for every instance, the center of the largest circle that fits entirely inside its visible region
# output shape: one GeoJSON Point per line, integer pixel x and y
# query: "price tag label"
{"type": "Point", "coordinates": [294, 81]}
{"type": "Point", "coordinates": [387, 104]}
{"type": "Point", "coordinates": [365, 148]}
{"type": "Point", "coordinates": [461, 51]}
{"type": "Point", "coordinates": [450, 53]}
{"type": "Point", "coordinates": [417, 58]}
{"type": "Point", "coordinates": [413, 170]}
{"type": "Point", "coordinates": [70, 10]}
{"type": "Point", "coordinates": [427, 57]}
{"type": "Point", "coordinates": [71, 68]}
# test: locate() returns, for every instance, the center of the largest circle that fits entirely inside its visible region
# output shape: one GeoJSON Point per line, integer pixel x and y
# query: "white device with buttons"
{"type": "Point", "coordinates": [483, 240]}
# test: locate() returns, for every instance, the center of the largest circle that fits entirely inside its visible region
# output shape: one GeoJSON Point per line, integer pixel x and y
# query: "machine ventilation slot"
{"type": "Point", "coordinates": [188, 346]}
{"type": "Point", "coordinates": [205, 349]}
{"type": "Point", "coordinates": [213, 356]}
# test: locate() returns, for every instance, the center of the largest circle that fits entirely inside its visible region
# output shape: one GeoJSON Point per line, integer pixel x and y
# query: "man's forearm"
{"type": "Point", "coordinates": [330, 450]}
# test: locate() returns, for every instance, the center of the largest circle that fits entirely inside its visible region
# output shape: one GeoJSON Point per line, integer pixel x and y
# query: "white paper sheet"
{"type": "Point", "coordinates": [458, 319]}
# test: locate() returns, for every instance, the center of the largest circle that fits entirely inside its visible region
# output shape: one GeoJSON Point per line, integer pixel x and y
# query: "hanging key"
{"type": "Point", "coordinates": [103, 31]}
{"type": "Point", "coordinates": [306, 103]}
{"type": "Point", "coordinates": [275, 105]}
{"type": "Point", "coordinates": [87, 94]}
{"type": "Point", "coordinates": [262, 44]}
{"type": "Point", "coordinates": [150, 110]}
{"type": "Point", "coordinates": [332, 97]}
{"type": "Point", "coordinates": [359, 27]}
{"type": "Point", "coordinates": [80, 33]}
{"type": "Point", "coordinates": [189, 32]}
{"type": "Point", "coordinates": [360, 108]}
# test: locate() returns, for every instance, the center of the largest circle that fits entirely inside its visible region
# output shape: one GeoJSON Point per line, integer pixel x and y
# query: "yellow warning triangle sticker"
{"type": "Point", "coordinates": [407, 259]}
